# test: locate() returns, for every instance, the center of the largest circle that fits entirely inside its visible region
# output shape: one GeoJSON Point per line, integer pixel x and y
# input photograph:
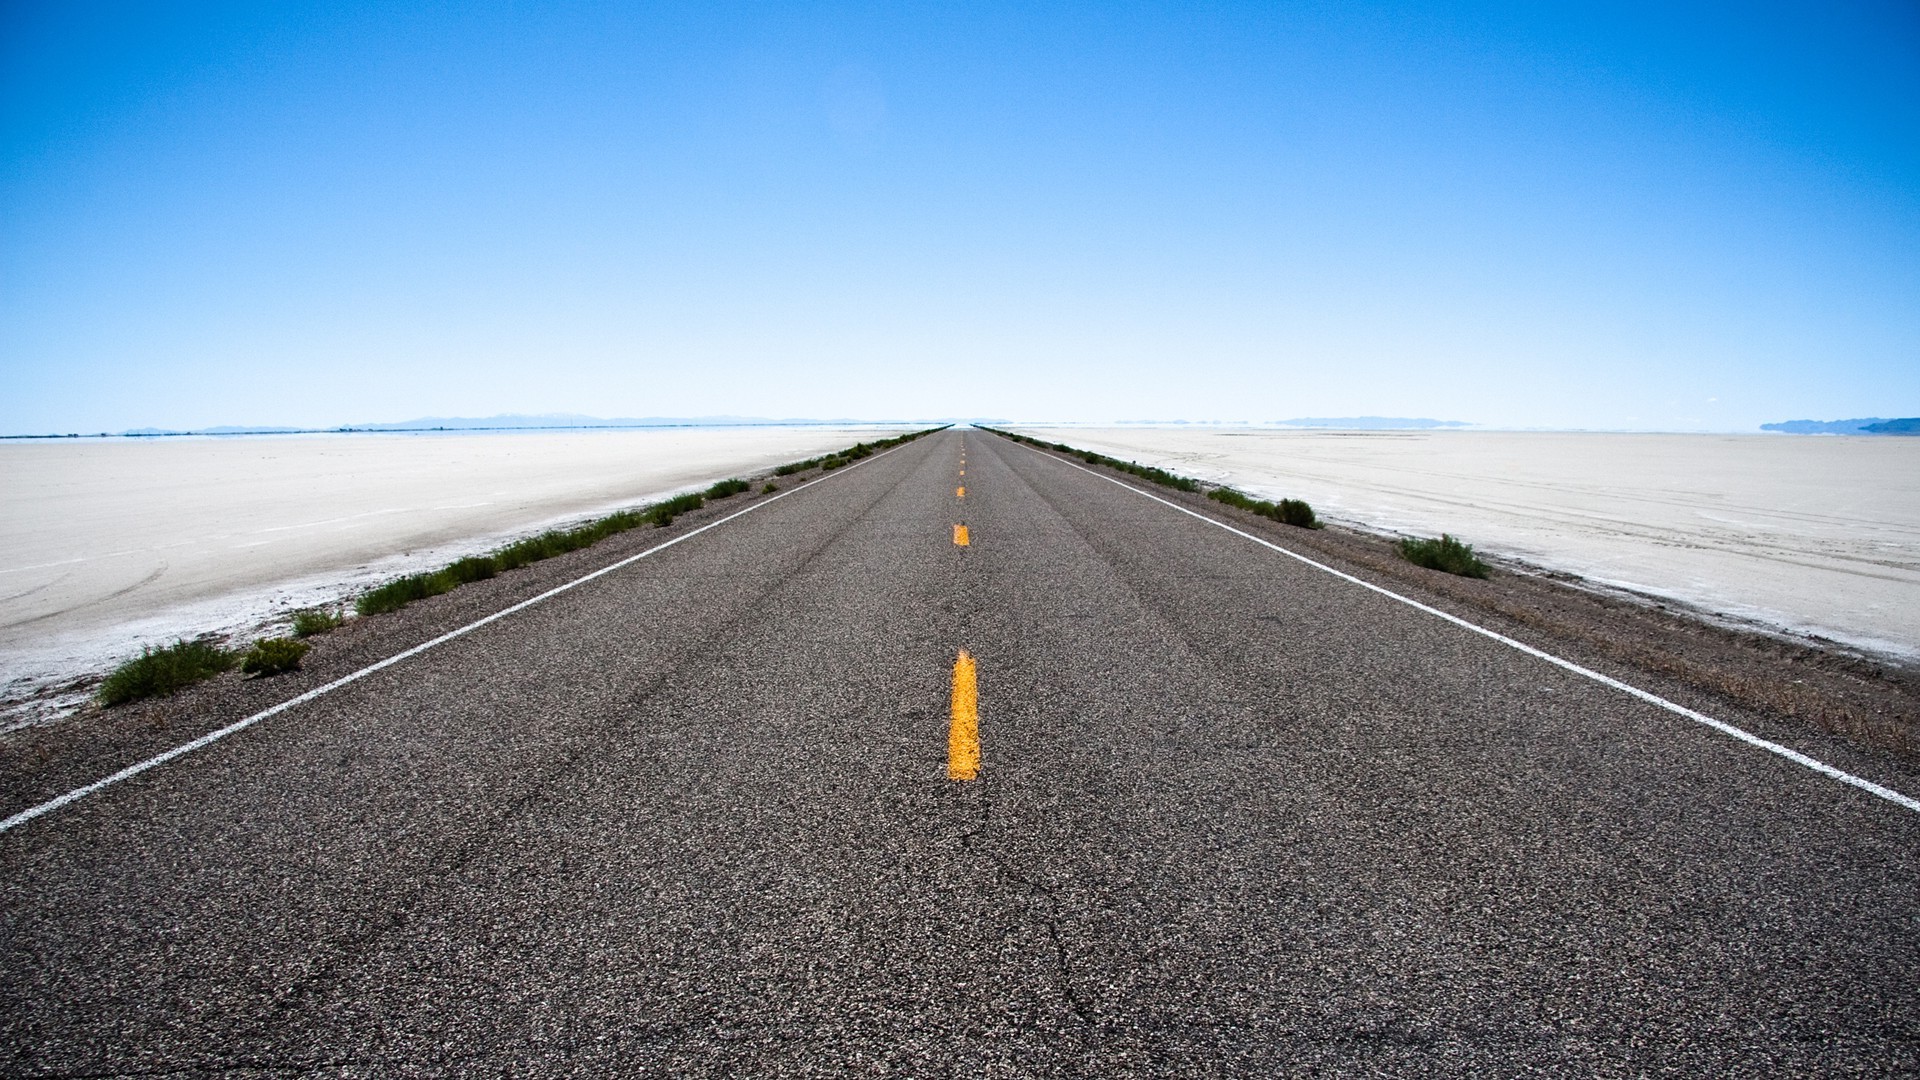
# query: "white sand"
{"type": "Point", "coordinates": [109, 544]}
{"type": "Point", "coordinates": [1816, 534]}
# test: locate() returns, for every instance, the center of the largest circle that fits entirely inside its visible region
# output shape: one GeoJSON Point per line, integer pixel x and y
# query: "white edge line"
{"type": "Point", "coordinates": [1721, 726]}
{"type": "Point", "coordinates": [212, 737]}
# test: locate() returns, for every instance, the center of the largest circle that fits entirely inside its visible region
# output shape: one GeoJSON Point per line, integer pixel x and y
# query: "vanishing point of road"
{"type": "Point", "coordinates": [967, 761]}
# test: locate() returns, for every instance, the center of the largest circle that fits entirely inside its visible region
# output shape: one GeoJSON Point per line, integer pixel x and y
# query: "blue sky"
{"type": "Point", "coordinates": [1659, 216]}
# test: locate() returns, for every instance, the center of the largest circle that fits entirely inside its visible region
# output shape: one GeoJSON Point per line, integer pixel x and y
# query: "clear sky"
{"type": "Point", "coordinates": [1655, 216]}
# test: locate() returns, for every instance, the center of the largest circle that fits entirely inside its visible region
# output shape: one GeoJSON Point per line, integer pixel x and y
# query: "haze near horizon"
{"type": "Point", "coordinates": [1697, 217]}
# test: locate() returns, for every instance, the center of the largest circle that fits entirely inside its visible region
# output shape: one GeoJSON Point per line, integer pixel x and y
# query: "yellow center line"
{"type": "Point", "coordinates": [960, 493]}
{"type": "Point", "coordinates": [960, 535]}
{"type": "Point", "coordinates": [963, 734]}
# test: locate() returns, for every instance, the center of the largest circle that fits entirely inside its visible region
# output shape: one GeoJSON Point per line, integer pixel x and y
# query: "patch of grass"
{"type": "Point", "coordinates": [273, 656]}
{"type": "Point", "coordinates": [1148, 473]}
{"type": "Point", "coordinates": [560, 541]}
{"type": "Point", "coordinates": [726, 489]}
{"type": "Point", "coordinates": [662, 514]}
{"type": "Point", "coordinates": [158, 672]}
{"type": "Point", "coordinates": [400, 592]}
{"type": "Point", "coordinates": [1446, 554]}
{"type": "Point", "coordinates": [472, 568]}
{"type": "Point", "coordinates": [1286, 511]}
{"type": "Point", "coordinates": [310, 621]}
{"type": "Point", "coordinates": [770, 488]}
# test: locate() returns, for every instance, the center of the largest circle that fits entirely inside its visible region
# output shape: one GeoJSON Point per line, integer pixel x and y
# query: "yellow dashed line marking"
{"type": "Point", "coordinates": [960, 535]}
{"type": "Point", "coordinates": [963, 734]}
{"type": "Point", "coordinates": [960, 493]}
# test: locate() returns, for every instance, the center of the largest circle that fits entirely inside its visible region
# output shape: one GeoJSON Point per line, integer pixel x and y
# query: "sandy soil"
{"type": "Point", "coordinates": [1818, 535]}
{"type": "Point", "coordinates": [109, 544]}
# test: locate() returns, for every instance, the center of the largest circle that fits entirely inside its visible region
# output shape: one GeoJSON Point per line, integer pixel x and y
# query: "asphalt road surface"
{"type": "Point", "coordinates": [1233, 816]}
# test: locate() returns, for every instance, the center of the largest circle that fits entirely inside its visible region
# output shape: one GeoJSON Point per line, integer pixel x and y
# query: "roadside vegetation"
{"type": "Point", "coordinates": [829, 462]}
{"type": "Point", "coordinates": [158, 672]}
{"type": "Point", "coordinates": [1286, 511]}
{"type": "Point", "coordinates": [400, 592]}
{"type": "Point", "coordinates": [310, 621]}
{"type": "Point", "coordinates": [273, 656]}
{"type": "Point", "coordinates": [1132, 468]}
{"type": "Point", "coordinates": [1445, 554]}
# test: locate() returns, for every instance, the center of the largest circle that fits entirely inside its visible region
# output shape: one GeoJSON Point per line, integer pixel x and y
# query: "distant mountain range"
{"type": "Point", "coordinates": [1865, 425]}
{"type": "Point", "coordinates": [1364, 423]}
{"type": "Point", "coordinates": [508, 422]}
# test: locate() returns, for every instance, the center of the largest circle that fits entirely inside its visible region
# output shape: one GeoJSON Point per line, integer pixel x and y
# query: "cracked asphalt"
{"type": "Point", "coordinates": [1234, 817]}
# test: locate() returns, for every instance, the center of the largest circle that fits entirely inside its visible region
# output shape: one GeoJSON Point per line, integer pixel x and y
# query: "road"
{"type": "Point", "coordinates": [1233, 816]}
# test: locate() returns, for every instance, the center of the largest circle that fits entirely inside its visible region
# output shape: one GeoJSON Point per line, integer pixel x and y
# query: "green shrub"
{"type": "Point", "coordinates": [662, 514]}
{"type": "Point", "coordinates": [1297, 513]}
{"type": "Point", "coordinates": [472, 568]}
{"type": "Point", "coordinates": [310, 621]}
{"type": "Point", "coordinates": [1445, 554]}
{"type": "Point", "coordinates": [560, 541]}
{"type": "Point", "coordinates": [1235, 498]}
{"type": "Point", "coordinates": [727, 489]}
{"type": "Point", "coordinates": [1286, 511]}
{"type": "Point", "coordinates": [400, 592]}
{"type": "Point", "coordinates": [770, 488]}
{"type": "Point", "coordinates": [273, 656]}
{"type": "Point", "coordinates": [158, 672]}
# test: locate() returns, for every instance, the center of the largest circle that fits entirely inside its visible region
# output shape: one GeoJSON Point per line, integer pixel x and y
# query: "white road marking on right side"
{"type": "Point", "coordinates": [1649, 697]}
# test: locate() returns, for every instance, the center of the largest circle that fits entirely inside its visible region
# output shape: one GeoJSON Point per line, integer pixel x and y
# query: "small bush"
{"type": "Point", "coordinates": [400, 592]}
{"type": "Point", "coordinates": [770, 488]}
{"type": "Point", "coordinates": [727, 489]}
{"type": "Point", "coordinates": [311, 621]}
{"type": "Point", "coordinates": [273, 656]}
{"type": "Point", "coordinates": [1236, 498]}
{"type": "Point", "coordinates": [1445, 554]}
{"type": "Point", "coordinates": [1296, 513]}
{"type": "Point", "coordinates": [472, 568]}
{"type": "Point", "coordinates": [158, 672]}
{"type": "Point", "coordinates": [1286, 511]}
{"type": "Point", "coordinates": [662, 514]}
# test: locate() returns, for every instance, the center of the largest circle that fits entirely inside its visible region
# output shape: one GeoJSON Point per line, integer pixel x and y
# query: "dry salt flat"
{"type": "Point", "coordinates": [1813, 534]}
{"type": "Point", "coordinates": [110, 544]}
